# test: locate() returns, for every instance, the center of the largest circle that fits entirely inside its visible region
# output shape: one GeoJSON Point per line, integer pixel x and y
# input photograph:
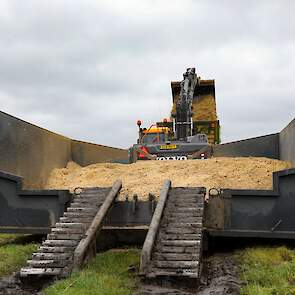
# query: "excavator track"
{"type": "Point", "coordinates": [55, 257]}
{"type": "Point", "coordinates": [178, 246]}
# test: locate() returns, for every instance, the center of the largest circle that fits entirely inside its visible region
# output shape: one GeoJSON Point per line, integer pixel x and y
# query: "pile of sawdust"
{"type": "Point", "coordinates": [148, 176]}
{"type": "Point", "coordinates": [204, 108]}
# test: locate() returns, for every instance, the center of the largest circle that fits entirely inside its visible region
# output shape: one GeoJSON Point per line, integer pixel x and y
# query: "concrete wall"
{"type": "Point", "coordinates": [287, 143]}
{"type": "Point", "coordinates": [85, 153]}
{"type": "Point", "coordinates": [30, 151]}
{"type": "Point", "coordinates": [262, 146]}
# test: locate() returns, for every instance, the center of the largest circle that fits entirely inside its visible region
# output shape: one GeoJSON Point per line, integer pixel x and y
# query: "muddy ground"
{"type": "Point", "coordinates": [219, 277]}
{"type": "Point", "coordinates": [12, 285]}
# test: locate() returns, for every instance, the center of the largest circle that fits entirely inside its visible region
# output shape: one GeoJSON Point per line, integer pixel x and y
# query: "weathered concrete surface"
{"type": "Point", "coordinates": [85, 153]}
{"type": "Point", "coordinates": [30, 151]}
{"type": "Point", "coordinates": [287, 143]}
{"type": "Point", "coordinates": [262, 146]}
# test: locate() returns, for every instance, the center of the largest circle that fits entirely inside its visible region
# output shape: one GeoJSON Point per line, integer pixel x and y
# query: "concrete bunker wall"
{"type": "Point", "coordinates": [32, 152]}
{"type": "Point", "coordinates": [287, 143]}
{"type": "Point", "coordinates": [262, 146]}
{"type": "Point", "coordinates": [85, 153]}
{"type": "Point", "coordinates": [277, 146]}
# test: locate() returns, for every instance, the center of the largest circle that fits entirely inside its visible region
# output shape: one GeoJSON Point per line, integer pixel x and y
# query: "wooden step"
{"type": "Point", "coordinates": [157, 272]}
{"type": "Point", "coordinates": [50, 256]}
{"type": "Point", "coordinates": [65, 236]}
{"type": "Point", "coordinates": [175, 256]}
{"type": "Point", "coordinates": [71, 225]}
{"type": "Point", "coordinates": [180, 236]}
{"type": "Point", "coordinates": [57, 249]}
{"type": "Point", "coordinates": [82, 210]}
{"type": "Point", "coordinates": [187, 230]}
{"type": "Point", "coordinates": [81, 204]}
{"type": "Point", "coordinates": [85, 220]}
{"type": "Point", "coordinates": [173, 225]}
{"type": "Point", "coordinates": [27, 271]}
{"type": "Point", "coordinates": [47, 263]}
{"type": "Point", "coordinates": [66, 230]}
{"type": "Point", "coordinates": [177, 249]}
{"type": "Point", "coordinates": [79, 214]}
{"type": "Point", "coordinates": [176, 264]}
{"type": "Point", "coordinates": [60, 243]}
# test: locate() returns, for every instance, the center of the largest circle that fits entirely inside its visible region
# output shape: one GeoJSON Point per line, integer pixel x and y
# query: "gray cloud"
{"type": "Point", "coordinates": [90, 69]}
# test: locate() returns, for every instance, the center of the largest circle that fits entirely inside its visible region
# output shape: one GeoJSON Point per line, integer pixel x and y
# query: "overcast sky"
{"type": "Point", "coordinates": [90, 69]}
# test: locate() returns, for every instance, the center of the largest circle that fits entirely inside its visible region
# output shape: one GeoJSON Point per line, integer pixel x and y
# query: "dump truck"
{"type": "Point", "coordinates": [191, 129]}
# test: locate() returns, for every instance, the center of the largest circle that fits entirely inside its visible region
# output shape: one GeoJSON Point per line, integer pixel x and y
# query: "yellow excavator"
{"type": "Point", "coordinates": [193, 125]}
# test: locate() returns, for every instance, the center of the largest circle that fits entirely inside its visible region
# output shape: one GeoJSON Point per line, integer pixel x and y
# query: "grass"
{"type": "Point", "coordinates": [267, 271]}
{"type": "Point", "coordinates": [14, 252]}
{"type": "Point", "coordinates": [106, 274]}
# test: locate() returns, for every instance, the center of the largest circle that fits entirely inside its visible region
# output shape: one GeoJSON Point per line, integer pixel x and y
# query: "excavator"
{"type": "Point", "coordinates": [177, 138]}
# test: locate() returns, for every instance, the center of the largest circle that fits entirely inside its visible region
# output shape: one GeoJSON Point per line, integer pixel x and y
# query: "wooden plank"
{"type": "Point", "coordinates": [185, 209]}
{"type": "Point", "coordinates": [70, 225]}
{"type": "Point", "coordinates": [178, 230]}
{"type": "Point", "coordinates": [176, 256]}
{"type": "Point", "coordinates": [184, 204]}
{"type": "Point", "coordinates": [66, 230]}
{"type": "Point", "coordinates": [64, 236]}
{"type": "Point", "coordinates": [50, 256]}
{"type": "Point", "coordinates": [48, 263]}
{"type": "Point", "coordinates": [62, 243]}
{"type": "Point", "coordinates": [79, 214]}
{"type": "Point", "coordinates": [173, 273]}
{"type": "Point", "coordinates": [180, 236]}
{"type": "Point", "coordinates": [183, 243]}
{"type": "Point", "coordinates": [82, 251]}
{"type": "Point", "coordinates": [85, 220]}
{"type": "Point", "coordinates": [182, 219]}
{"type": "Point", "coordinates": [184, 224]}
{"type": "Point", "coordinates": [176, 264]}
{"type": "Point", "coordinates": [150, 239]}
{"type": "Point", "coordinates": [173, 214]}
{"type": "Point", "coordinates": [79, 204]}
{"type": "Point", "coordinates": [178, 249]}
{"type": "Point", "coordinates": [28, 271]}
{"type": "Point", "coordinates": [57, 249]}
{"type": "Point", "coordinates": [82, 210]}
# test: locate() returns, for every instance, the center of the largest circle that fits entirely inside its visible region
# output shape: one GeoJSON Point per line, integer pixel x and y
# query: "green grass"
{"type": "Point", "coordinates": [14, 252]}
{"type": "Point", "coordinates": [267, 271]}
{"type": "Point", "coordinates": [106, 274]}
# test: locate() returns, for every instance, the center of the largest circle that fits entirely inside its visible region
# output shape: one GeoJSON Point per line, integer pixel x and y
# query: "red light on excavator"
{"type": "Point", "coordinates": [143, 155]}
{"type": "Point", "coordinates": [138, 123]}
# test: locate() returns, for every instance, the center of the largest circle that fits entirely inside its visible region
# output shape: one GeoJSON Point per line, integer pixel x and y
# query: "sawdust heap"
{"type": "Point", "coordinates": [148, 176]}
{"type": "Point", "coordinates": [204, 108]}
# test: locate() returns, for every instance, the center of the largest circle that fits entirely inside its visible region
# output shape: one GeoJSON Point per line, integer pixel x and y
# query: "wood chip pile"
{"type": "Point", "coordinates": [148, 176]}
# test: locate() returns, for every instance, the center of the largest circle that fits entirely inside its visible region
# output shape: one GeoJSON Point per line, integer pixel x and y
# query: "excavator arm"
{"type": "Point", "coordinates": [183, 117]}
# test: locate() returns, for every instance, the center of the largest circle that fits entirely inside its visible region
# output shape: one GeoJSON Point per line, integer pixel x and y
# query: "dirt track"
{"type": "Point", "coordinates": [219, 277]}
{"type": "Point", "coordinates": [146, 177]}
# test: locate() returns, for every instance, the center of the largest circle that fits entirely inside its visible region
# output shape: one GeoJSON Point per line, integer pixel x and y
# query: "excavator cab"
{"type": "Point", "coordinates": [155, 135]}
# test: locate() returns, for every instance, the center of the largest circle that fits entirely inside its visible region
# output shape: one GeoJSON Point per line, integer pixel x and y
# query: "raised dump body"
{"type": "Point", "coordinates": [73, 238]}
{"type": "Point", "coordinates": [173, 246]}
{"type": "Point", "coordinates": [204, 118]}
